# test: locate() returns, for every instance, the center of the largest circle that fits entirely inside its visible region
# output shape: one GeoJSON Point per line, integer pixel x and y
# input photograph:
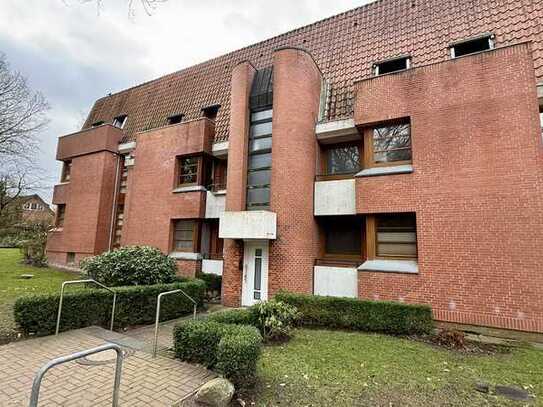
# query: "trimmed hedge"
{"type": "Point", "coordinates": [135, 305]}
{"type": "Point", "coordinates": [230, 350]}
{"type": "Point", "coordinates": [349, 313]}
{"type": "Point", "coordinates": [234, 316]}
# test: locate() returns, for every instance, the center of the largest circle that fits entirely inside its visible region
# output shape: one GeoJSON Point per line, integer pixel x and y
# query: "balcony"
{"type": "Point", "coordinates": [250, 225]}
{"type": "Point", "coordinates": [93, 140]}
{"type": "Point", "coordinates": [335, 197]}
{"type": "Point", "coordinates": [215, 202]}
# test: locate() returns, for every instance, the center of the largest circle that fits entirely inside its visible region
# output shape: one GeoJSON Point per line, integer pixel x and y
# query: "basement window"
{"type": "Point", "coordinates": [211, 112]}
{"type": "Point", "coordinates": [392, 65]}
{"type": "Point", "coordinates": [175, 119]}
{"type": "Point", "coordinates": [70, 258]}
{"type": "Point", "coordinates": [472, 46]}
{"type": "Point", "coordinates": [120, 121]}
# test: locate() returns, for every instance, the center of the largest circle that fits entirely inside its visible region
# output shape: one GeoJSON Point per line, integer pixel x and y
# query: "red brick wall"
{"type": "Point", "coordinates": [151, 204]}
{"type": "Point", "coordinates": [242, 78]}
{"type": "Point", "coordinates": [188, 268]}
{"type": "Point", "coordinates": [476, 187]}
{"type": "Point", "coordinates": [96, 139]}
{"type": "Point", "coordinates": [89, 200]}
{"type": "Point", "coordinates": [296, 92]}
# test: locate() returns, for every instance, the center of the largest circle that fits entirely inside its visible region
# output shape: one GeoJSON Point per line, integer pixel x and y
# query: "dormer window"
{"type": "Point", "coordinates": [175, 119]}
{"type": "Point", "coordinates": [392, 65]}
{"type": "Point", "coordinates": [120, 121]}
{"type": "Point", "coordinates": [472, 46]}
{"type": "Point", "coordinates": [211, 111]}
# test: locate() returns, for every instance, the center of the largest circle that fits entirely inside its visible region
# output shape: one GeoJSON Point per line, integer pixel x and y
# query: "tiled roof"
{"type": "Point", "coordinates": [345, 47]}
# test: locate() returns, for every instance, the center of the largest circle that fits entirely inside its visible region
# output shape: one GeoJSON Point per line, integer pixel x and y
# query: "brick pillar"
{"type": "Point", "coordinates": [242, 78]}
{"type": "Point", "coordinates": [296, 95]}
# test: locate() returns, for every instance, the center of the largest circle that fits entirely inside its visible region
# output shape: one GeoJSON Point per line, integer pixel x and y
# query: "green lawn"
{"type": "Point", "coordinates": [45, 280]}
{"type": "Point", "coordinates": [335, 368]}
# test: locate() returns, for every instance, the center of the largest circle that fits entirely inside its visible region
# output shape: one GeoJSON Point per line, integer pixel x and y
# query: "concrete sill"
{"type": "Point", "coordinates": [390, 266]}
{"type": "Point", "coordinates": [220, 192]}
{"type": "Point", "coordinates": [185, 256]}
{"type": "Point", "coordinates": [376, 171]}
{"type": "Point", "coordinates": [193, 188]}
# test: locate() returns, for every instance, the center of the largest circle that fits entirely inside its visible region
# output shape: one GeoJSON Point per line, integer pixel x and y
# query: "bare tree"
{"type": "Point", "coordinates": [22, 114]}
{"type": "Point", "coordinates": [148, 5]}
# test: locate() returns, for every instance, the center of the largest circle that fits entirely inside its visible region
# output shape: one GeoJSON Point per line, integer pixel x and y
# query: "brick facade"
{"type": "Point", "coordinates": [475, 188]}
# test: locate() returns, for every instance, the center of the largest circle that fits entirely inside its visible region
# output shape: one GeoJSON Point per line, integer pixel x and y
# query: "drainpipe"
{"type": "Point", "coordinates": [114, 206]}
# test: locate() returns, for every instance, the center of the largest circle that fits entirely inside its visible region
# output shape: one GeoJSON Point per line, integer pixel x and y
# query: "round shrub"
{"type": "Point", "coordinates": [131, 265]}
{"type": "Point", "coordinates": [274, 319]}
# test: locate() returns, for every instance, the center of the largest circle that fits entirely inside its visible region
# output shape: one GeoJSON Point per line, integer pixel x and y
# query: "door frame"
{"type": "Point", "coordinates": [247, 279]}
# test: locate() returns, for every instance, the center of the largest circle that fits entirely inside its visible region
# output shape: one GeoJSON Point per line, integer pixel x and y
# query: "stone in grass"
{"type": "Point", "coordinates": [26, 276]}
{"type": "Point", "coordinates": [482, 387]}
{"type": "Point", "coordinates": [513, 393]}
{"type": "Point", "coordinates": [215, 393]}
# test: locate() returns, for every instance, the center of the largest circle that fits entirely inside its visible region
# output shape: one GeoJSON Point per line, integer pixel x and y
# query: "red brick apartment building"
{"type": "Point", "coordinates": [392, 152]}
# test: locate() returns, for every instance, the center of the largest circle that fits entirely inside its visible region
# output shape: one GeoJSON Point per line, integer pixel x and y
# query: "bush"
{"type": "Point", "coordinates": [135, 305]}
{"type": "Point", "coordinates": [214, 285]}
{"type": "Point", "coordinates": [349, 313]}
{"type": "Point", "coordinates": [274, 319]}
{"type": "Point", "coordinates": [233, 316]}
{"type": "Point", "coordinates": [10, 241]}
{"type": "Point", "coordinates": [33, 239]}
{"type": "Point", "coordinates": [131, 265]}
{"type": "Point", "coordinates": [230, 350]}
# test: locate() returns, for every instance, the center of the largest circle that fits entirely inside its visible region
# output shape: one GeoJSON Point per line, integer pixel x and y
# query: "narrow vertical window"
{"type": "Point", "coordinates": [61, 210]}
{"type": "Point", "coordinates": [258, 274]}
{"type": "Point", "coordinates": [260, 157]}
{"type": "Point", "coordinates": [66, 171]}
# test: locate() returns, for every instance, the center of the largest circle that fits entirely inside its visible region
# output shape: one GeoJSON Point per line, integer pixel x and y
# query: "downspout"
{"type": "Point", "coordinates": [115, 199]}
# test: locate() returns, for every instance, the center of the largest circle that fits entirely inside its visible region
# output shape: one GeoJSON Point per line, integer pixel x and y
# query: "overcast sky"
{"type": "Point", "coordinates": [74, 54]}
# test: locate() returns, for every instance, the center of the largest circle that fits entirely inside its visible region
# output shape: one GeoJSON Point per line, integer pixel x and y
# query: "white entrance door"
{"type": "Point", "coordinates": [255, 272]}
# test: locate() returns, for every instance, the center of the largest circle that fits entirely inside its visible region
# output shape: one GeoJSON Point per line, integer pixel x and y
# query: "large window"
{"type": "Point", "coordinates": [342, 159]}
{"type": "Point", "coordinates": [396, 236]}
{"type": "Point", "coordinates": [185, 236]}
{"type": "Point", "coordinates": [388, 145]}
{"type": "Point", "coordinates": [259, 163]}
{"type": "Point", "coordinates": [343, 237]}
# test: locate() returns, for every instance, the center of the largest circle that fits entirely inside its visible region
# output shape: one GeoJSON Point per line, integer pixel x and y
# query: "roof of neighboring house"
{"type": "Point", "coordinates": [25, 198]}
{"type": "Point", "coordinates": [344, 46]}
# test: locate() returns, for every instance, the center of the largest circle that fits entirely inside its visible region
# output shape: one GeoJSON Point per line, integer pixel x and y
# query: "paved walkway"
{"type": "Point", "coordinates": [146, 381]}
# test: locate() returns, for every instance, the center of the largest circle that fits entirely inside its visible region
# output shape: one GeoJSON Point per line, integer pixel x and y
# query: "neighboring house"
{"type": "Point", "coordinates": [34, 208]}
{"type": "Point", "coordinates": [392, 152]}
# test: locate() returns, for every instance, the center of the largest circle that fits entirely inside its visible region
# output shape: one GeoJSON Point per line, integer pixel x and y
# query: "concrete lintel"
{"type": "Point", "coordinates": [220, 149]}
{"type": "Point", "coordinates": [375, 171]}
{"type": "Point", "coordinates": [390, 266]}
{"type": "Point", "coordinates": [193, 188]}
{"type": "Point", "coordinates": [185, 256]}
{"type": "Point", "coordinates": [127, 147]}
{"type": "Point", "coordinates": [337, 131]}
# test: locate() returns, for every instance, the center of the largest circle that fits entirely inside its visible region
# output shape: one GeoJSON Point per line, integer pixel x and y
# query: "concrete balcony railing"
{"type": "Point", "coordinates": [253, 225]}
{"type": "Point", "coordinates": [335, 197]}
{"type": "Point", "coordinates": [215, 204]}
{"type": "Point", "coordinates": [212, 266]}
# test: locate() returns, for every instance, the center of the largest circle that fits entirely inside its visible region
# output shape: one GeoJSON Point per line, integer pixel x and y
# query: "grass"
{"type": "Point", "coordinates": [336, 368]}
{"type": "Point", "coordinates": [45, 280]}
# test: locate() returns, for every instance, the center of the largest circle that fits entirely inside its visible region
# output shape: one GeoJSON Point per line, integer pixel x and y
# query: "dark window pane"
{"type": "Point", "coordinates": [258, 272]}
{"type": "Point", "coordinates": [260, 161]}
{"type": "Point", "coordinates": [472, 46]}
{"type": "Point", "coordinates": [261, 177]}
{"type": "Point", "coordinates": [343, 160]}
{"type": "Point", "coordinates": [261, 129]}
{"type": "Point", "coordinates": [392, 66]}
{"type": "Point", "coordinates": [343, 236]}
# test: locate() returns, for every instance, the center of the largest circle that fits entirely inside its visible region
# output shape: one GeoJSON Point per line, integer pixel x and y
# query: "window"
{"type": "Point", "coordinates": [342, 159]}
{"type": "Point", "coordinates": [471, 46]}
{"type": "Point", "coordinates": [396, 236]}
{"type": "Point", "coordinates": [260, 157]}
{"type": "Point", "coordinates": [66, 171]}
{"type": "Point", "coordinates": [33, 206]}
{"type": "Point", "coordinates": [70, 258]}
{"type": "Point", "coordinates": [26, 206]}
{"type": "Point", "coordinates": [392, 65]}
{"type": "Point", "coordinates": [98, 123]}
{"type": "Point", "coordinates": [188, 170]}
{"type": "Point", "coordinates": [175, 119]}
{"type": "Point", "coordinates": [184, 239]}
{"type": "Point", "coordinates": [343, 237]}
{"type": "Point", "coordinates": [541, 118]}
{"type": "Point", "coordinates": [388, 145]}
{"type": "Point", "coordinates": [120, 121]}
{"type": "Point", "coordinates": [61, 210]}
{"type": "Point", "coordinates": [211, 111]}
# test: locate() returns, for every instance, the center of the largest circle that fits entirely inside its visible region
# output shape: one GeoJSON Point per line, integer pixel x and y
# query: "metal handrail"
{"type": "Point", "coordinates": [35, 394]}
{"type": "Point", "coordinates": [90, 280]}
{"type": "Point", "coordinates": [159, 298]}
